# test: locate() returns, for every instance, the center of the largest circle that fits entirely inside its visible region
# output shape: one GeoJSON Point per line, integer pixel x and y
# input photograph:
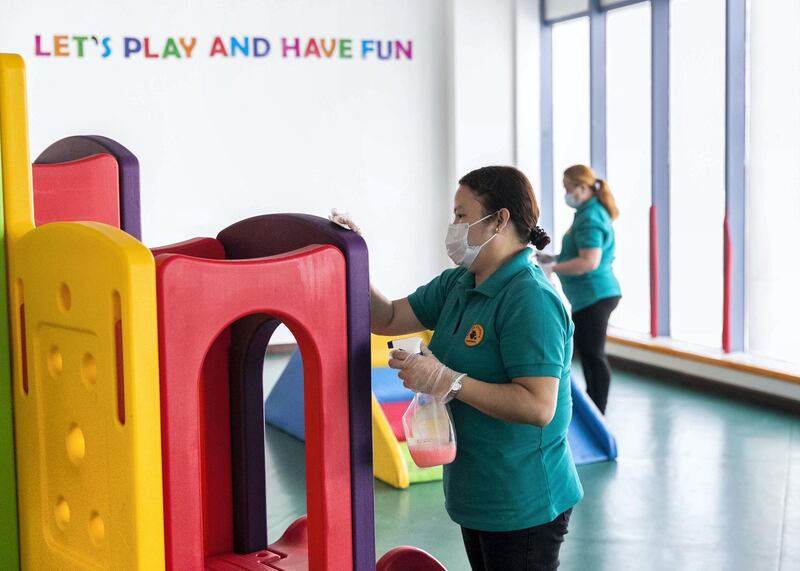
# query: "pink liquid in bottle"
{"type": "Point", "coordinates": [426, 456]}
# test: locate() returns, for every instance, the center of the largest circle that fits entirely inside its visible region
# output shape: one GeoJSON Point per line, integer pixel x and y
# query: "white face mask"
{"type": "Point", "coordinates": [457, 243]}
{"type": "Point", "coordinates": [572, 200]}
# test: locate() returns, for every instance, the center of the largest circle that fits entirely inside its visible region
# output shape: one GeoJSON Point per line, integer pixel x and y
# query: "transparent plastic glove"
{"type": "Point", "coordinates": [343, 219]}
{"type": "Point", "coordinates": [544, 259]}
{"type": "Point", "coordinates": [423, 373]}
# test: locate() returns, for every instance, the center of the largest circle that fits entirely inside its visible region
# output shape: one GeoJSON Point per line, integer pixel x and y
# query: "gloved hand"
{"type": "Point", "coordinates": [423, 373]}
{"type": "Point", "coordinates": [343, 219]}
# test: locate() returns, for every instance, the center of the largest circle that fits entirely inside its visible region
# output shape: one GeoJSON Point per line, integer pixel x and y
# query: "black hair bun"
{"type": "Point", "coordinates": [539, 238]}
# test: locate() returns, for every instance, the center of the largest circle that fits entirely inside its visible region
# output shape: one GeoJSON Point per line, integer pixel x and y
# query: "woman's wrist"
{"type": "Point", "coordinates": [455, 386]}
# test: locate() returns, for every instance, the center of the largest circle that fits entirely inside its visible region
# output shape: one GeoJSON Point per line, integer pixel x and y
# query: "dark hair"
{"type": "Point", "coordinates": [506, 187]}
{"type": "Point", "coordinates": [581, 174]}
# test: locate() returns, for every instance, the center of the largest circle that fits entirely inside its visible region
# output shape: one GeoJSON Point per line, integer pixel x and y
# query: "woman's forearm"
{"type": "Point", "coordinates": [574, 267]}
{"type": "Point", "coordinates": [381, 310]}
{"type": "Point", "coordinates": [507, 401]}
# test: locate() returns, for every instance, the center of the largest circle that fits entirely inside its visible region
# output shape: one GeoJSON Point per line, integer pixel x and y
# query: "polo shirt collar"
{"type": "Point", "coordinates": [467, 279]}
{"type": "Point", "coordinates": [584, 205]}
{"type": "Point", "coordinates": [495, 283]}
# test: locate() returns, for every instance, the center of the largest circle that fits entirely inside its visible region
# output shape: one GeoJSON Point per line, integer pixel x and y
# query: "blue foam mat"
{"type": "Point", "coordinates": [589, 437]}
{"type": "Point", "coordinates": [285, 406]}
{"type": "Point", "coordinates": [388, 387]}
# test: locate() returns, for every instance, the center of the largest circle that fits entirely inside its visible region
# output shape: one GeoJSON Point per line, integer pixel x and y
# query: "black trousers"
{"type": "Point", "coordinates": [591, 325]}
{"type": "Point", "coordinates": [532, 549]}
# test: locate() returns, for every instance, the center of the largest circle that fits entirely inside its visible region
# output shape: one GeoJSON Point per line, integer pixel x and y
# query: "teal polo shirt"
{"type": "Point", "coordinates": [506, 476]}
{"type": "Point", "coordinates": [591, 228]}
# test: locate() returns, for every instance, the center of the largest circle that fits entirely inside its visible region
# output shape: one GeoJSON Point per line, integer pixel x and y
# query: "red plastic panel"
{"type": "Point", "coordinates": [215, 435]}
{"type": "Point", "coordinates": [292, 547]}
{"type": "Point", "coordinates": [197, 300]}
{"type": "Point", "coordinates": [394, 412]}
{"type": "Point", "coordinates": [289, 553]}
{"type": "Point", "coordinates": [215, 432]}
{"type": "Point", "coordinates": [260, 561]}
{"type": "Point", "coordinates": [82, 190]}
{"type": "Point", "coordinates": [209, 248]}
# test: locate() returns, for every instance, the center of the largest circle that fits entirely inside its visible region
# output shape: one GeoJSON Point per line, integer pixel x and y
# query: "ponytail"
{"type": "Point", "coordinates": [603, 193]}
{"type": "Point", "coordinates": [539, 238]}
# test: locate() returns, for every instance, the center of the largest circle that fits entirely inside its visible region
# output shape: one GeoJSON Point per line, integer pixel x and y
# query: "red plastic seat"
{"type": "Point", "coordinates": [407, 558]}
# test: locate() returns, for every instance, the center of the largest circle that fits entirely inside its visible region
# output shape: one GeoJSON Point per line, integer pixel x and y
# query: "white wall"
{"type": "Point", "coordinates": [527, 79]}
{"type": "Point", "coordinates": [223, 139]}
{"type": "Point", "coordinates": [495, 86]}
{"type": "Point", "coordinates": [484, 90]}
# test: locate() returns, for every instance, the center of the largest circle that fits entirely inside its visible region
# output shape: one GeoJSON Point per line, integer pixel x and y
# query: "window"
{"type": "Point", "coordinates": [628, 157]}
{"type": "Point", "coordinates": [773, 207]}
{"type": "Point", "coordinates": [570, 111]}
{"type": "Point", "coordinates": [697, 169]}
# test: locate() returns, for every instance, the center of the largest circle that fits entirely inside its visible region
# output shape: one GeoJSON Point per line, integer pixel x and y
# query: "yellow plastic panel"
{"type": "Point", "coordinates": [86, 400]}
{"type": "Point", "coordinates": [18, 219]}
{"type": "Point", "coordinates": [16, 168]}
{"type": "Point", "coordinates": [380, 349]}
{"type": "Point", "coordinates": [389, 466]}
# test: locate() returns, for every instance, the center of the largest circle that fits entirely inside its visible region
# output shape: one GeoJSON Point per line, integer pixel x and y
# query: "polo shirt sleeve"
{"type": "Point", "coordinates": [590, 234]}
{"type": "Point", "coordinates": [428, 300]}
{"type": "Point", "coordinates": [534, 330]}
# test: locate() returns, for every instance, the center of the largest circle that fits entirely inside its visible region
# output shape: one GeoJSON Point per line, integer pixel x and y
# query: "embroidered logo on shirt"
{"type": "Point", "coordinates": [475, 336]}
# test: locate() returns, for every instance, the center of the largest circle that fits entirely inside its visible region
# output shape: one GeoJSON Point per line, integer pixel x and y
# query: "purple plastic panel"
{"type": "Point", "coordinates": [249, 339]}
{"type": "Point", "coordinates": [266, 236]}
{"type": "Point", "coordinates": [80, 146]}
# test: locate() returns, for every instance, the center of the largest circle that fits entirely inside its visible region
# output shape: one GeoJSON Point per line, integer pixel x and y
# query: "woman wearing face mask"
{"type": "Point", "coordinates": [500, 354]}
{"type": "Point", "coordinates": [584, 268]}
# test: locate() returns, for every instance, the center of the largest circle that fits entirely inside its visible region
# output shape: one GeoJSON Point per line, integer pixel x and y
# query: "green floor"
{"type": "Point", "coordinates": [702, 483]}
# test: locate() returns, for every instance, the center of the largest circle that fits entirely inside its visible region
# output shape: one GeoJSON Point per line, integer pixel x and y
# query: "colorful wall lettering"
{"type": "Point", "coordinates": [181, 47]}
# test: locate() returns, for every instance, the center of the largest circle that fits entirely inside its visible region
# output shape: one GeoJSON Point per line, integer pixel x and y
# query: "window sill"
{"type": "Point", "coordinates": [741, 369]}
